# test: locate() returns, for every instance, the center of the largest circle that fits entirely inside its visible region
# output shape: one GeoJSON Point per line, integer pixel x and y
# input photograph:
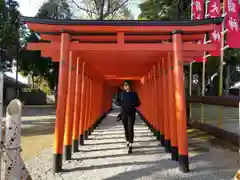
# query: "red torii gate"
{"type": "Point", "coordinates": [96, 56]}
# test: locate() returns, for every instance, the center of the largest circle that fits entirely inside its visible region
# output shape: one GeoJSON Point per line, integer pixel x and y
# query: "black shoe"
{"type": "Point", "coordinates": [118, 118]}
{"type": "Point", "coordinates": [130, 149]}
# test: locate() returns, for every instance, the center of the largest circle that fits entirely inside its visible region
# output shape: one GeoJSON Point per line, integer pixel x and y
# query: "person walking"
{"type": "Point", "coordinates": [128, 101]}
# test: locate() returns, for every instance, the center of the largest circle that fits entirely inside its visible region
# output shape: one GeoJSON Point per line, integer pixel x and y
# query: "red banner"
{"type": "Point", "coordinates": [198, 13]}
{"type": "Point", "coordinates": [214, 11]}
{"type": "Point", "coordinates": [231, 21]}
{"type": "Point", "coordinates": [198, 9]}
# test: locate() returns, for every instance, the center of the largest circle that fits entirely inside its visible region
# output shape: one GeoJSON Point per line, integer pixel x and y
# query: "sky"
{"type": "Point", "coordinates": [30, 7]}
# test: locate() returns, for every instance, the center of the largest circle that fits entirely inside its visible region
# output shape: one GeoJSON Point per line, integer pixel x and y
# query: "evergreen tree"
{"type": "Point", "coordinates": [9, 34]}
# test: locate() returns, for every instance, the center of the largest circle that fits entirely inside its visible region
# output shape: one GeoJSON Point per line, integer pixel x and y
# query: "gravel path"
{"type": "Point", "coordinates": [104, 157]}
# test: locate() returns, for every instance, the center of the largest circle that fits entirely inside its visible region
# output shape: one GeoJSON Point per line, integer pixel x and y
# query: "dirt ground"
{"type": "Point", "coordinates": [33, 145]}
{"type": "Point", "coordinates": [37, 130]}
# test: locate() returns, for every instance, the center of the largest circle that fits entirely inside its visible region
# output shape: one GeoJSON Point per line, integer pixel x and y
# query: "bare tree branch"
{"type": "Point", "coordinates": [98, 5]}
{"type": "Point", "coordinates": [84, 9]}
{"type": "Point", "coordinates": [115, 9]}
{"type": "Point", "coordinates": [102, 4]}
{"type": "Point", "coordinates": [91, 9]}
{"type": "Point", "coordinates": [109, 7]}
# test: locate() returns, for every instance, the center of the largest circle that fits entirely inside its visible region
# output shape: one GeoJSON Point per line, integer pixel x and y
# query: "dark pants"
{"type": "Point", "coordinates": [128, 119]}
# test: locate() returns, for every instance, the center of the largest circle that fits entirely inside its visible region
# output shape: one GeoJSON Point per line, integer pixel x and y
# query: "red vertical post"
{"type": "Point", "coordinates": [153, 102]}
{"type": "Point", "coordinates": [83, 104]}
{"type": "Point", "coordinates": [90, 106]}
{"type": "Point", "coordinates": [61, 103]}
{"type": "Point", "coordinates": [156, 107]}
{"type": "Point", "coordinates": [172, 113]}
{"type": "Point", "coordinates": [149, 101]}
{"type": "Point", "coordinates": [77, 105]}
{"type": "Point", "coordinates": [146, 97]}
{"type": "Point", "coordinates": [144, 103]}
{"type": "Point", "coordinates": [93, 103]}
{"type": "Point", "coordinates": [101, 99]}
{"type": "Point", "coordinates": [161, 105]}
{"type": "Point", "coordinates": [166, 108]}
{"type": "Point", "coordinates": [98, 91]}
{"type": "Point", "coordinates": [98, 103]}
{"type": "Point", "coordinates": [70, 107]}
{"type": "Point", "coordinates": [180, 101]}
{"type": "Point", "coordinates": [86, 108]}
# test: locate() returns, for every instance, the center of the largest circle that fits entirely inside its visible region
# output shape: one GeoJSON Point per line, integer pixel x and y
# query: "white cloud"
{"type": "Point", "coordinates": [29, 7]}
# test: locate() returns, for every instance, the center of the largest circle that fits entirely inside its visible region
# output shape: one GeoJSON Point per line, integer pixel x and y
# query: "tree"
{"type": "Point", "coordinates": [31, 61]}
{"type": "Point", "coordinates": [103, 9]}
{"type": "Point", "coordinates": [55, 9]}
{"type": "Point", "coordinates": [165, 9]}
{"type": "Point", "coordinates": [9, 36]}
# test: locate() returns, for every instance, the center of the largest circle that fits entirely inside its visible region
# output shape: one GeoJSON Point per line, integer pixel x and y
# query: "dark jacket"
{"type": "Point", "coordinates": [128, 100]}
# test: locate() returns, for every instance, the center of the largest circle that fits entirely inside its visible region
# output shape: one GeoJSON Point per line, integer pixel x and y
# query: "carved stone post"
{"type": "Point", "coordinates": [14, 165]}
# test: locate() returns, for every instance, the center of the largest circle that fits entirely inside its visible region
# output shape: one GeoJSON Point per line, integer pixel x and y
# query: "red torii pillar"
{"type": "Point", "coordinates": [83, 103]}
{"type": "Point", "coordinates": [70, 107]}
{"type": "Point", "coordinates": [161, 105]}
{"type": "Point", "coordinates": [62, 101]}
{"type": "Point", "coordinates": [180, 101]}
{"type": "Point", "coordinates": [77, 106]}
{"type": "Point", "coordinates": [172, 109]}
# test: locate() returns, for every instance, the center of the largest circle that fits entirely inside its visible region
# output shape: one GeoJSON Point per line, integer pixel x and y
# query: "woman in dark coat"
{"type": "Point", "coordinates": [128, 101]}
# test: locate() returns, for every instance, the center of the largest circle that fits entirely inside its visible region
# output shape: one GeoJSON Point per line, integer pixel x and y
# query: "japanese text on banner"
{"type": "Point", "coordinates": [198, 13]}
{"type": "Point", "coordinates": [214, 11]}
{"type": "Point", "coordinates": [231, 21]}
{"type": "Point", "coordinates": [198, 9]}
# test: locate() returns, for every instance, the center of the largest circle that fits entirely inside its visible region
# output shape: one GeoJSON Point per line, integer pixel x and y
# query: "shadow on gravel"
{"type": "Point", "coordinates": [103, 166]}
{"type": "Point", "coordinates": [194, 147]}
{"type": "Point", "coordinates": [137, 133]}
{"type": "Point", "coordinates": [38, 111]}
{"type": "Point", "coordinates": [135, 153]}
{"type": "Point", "coordinates": [38, 127]}
{"type": "Point", "coordinates": [216, 142]}
{"type": "Point", "coordinates": [197, 147]}
{"type": "Point", "coordinates": [117, 129]}
{"type": "Point", "coordinates": [116, 142]}
{"type": "Point", "coordinates": [157, 167]}
{"type": "Point", "coordinates": [37, 131]}
{"type": "Point", "coordinates": [39, 122]}
{"type": "Point", "coordinates": [119, 136]}
{"type": "Point", "coordinates": [119, 148]}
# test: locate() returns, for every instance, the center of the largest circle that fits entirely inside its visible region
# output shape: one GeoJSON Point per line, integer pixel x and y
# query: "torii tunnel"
{"type": "Point", "coordinates": [97, 56]}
